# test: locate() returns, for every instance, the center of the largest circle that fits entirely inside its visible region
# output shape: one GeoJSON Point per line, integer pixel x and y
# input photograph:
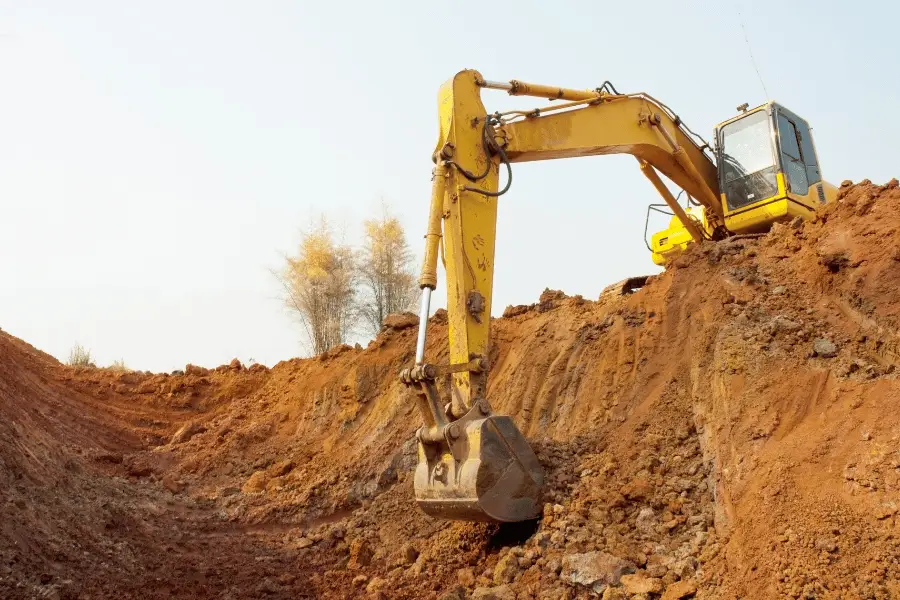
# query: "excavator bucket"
{"type": "Point", "coordinates": [482, 470]}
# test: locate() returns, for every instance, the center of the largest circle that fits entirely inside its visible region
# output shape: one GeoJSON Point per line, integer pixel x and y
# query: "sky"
{"type": "Point", "coordinates": [159, 159]}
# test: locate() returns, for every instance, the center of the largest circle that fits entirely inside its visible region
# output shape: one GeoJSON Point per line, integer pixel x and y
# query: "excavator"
{"type": "Point", "coordinates": [474, 464]}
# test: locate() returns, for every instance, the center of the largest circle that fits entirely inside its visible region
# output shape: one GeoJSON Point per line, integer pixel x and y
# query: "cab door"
{"type": "Point", "coordinates": [797, 156]}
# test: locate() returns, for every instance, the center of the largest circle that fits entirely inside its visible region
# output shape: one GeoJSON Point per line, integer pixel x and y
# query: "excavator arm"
{"type": "Point", "coordinates": [474, 464]}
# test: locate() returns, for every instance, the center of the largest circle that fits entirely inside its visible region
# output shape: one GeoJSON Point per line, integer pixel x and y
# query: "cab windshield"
{"type": "Point", "coordinates": [746, 160]}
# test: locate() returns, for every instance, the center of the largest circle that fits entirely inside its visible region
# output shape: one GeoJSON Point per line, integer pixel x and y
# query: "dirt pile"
{"type": "Point", "coordinates": [728, 431]}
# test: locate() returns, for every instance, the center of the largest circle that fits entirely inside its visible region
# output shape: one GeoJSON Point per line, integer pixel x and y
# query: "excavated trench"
{"type": "Point", "coordinates": [728, 431]}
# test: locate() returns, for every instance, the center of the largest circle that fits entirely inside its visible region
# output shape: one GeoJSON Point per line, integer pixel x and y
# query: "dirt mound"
{"type": "Point", "coordinates": [728, 431]}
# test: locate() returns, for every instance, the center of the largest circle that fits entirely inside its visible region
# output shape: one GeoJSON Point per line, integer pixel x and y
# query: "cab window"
{"type": "Point", "coordinates": [791, 156]}
{"type": "Point", "coordinates": [808, 151]}
{"type": "Point", "coordinates": [747, 165]}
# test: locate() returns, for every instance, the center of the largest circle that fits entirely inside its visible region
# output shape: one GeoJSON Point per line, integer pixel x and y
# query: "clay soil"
{"type": "Point", "coordinates": [731, 430]}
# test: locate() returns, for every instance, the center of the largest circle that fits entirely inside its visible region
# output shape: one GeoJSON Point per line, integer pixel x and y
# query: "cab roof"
{"type": "Point", "coordinates": [747, 112]}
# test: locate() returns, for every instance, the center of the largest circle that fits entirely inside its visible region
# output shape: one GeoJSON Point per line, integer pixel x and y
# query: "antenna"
{"type": "Point", "coordinates": [750, 50]}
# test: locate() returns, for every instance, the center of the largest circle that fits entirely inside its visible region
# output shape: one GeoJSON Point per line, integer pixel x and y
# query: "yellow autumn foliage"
{"type": "Point", "coordinates": [385, 271]}
{"type": "Point", "coordinates": [319, 282]}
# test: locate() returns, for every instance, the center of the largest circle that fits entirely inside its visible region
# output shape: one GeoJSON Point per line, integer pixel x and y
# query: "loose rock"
{"type": "Point", "coordinates": [409, 554]}
{"type": "Point", "coordinates": [400, 321]}
{"type": "Point", "coordinates": [360, 554]}
{"type": "Point", "coordinates": [186, 433]}
{"type": "Point", "coordinates": [466, 577]}
{"type": "Point", "coordinates": [639, 584]}
{"type": "Point", "coordinates": [502, 592]}
{"type": "Point", "coordinates": [594, 568]}
{"type": "Point", "coordinates": [506, 570]}
{"type": "Point", "coordinates": [455, 594]}
{"type": "Point", "coordinates": [256, 483]}
{"type": "Point", "coordinates": [783, 324]}
{"type": "Point", "coordinates": [679, 589]}
{"type": "Point", "coordinates": [824, 348]}
{"type": "Point", "coordinates": [377, 584]}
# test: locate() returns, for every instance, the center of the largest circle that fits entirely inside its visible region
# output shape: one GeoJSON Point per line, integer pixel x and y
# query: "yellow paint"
{"type": "Point", "coordinates": [618, 125]}
{"type": "Point", "coordinates": [470, 221]}
{"type": "Point", "coordinates": [670, 242]}
{"type": "Point", "coordinates": [783, 206]}
{"type": "Point", "coordinates": [521, 88]}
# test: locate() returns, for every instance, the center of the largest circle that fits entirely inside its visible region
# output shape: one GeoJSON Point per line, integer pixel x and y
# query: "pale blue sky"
{"type": "Point", "coordinates": [157, 158]}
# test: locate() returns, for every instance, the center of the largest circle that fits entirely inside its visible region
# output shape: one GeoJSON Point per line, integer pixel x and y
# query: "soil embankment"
{"type": "Point", "coordinates": [729, 431]}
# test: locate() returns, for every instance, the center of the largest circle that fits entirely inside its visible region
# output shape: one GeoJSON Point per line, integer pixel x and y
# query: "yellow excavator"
{"type": "Point", "coordinates": [474, 464]}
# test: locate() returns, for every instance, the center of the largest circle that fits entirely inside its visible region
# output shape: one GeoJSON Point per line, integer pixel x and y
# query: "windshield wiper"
{"type": "Point", "coordinates": [735, 164]}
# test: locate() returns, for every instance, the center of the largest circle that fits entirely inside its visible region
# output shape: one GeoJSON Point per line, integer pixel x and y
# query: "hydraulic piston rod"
{"type": "Point", "coordinates": [423, 325]}
{"type": "Point", "coordinates": [520, 88]}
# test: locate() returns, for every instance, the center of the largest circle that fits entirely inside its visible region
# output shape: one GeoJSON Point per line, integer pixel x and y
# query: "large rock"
{"type": "Point", "coordinates": [549, 295]}
{"type": "Point", "coordinates": [638, 488]}
{"type": "Point", "coordinates": [614, 593]}
{"type": "Point", "coordinates": [514, 311]}
{"type": "Point", "coordinates": [824, 348]}
{"type": "Point", "coordinates": [400, 321]}
{"type": "Point", "coordinates": [281, 468]}
{"type": "Point", "coordinates": [408, 554]}
{"type": "Point", "coordinates": [256, 483]}
{"type": "Point", "coordinates": [466, 577]}
{"type": "Point", "coordinates": [501, 592]}
{"type": "Point", "coordinates": [456, 593]}
{"type": "Point", "coordinates": [680, 589]}
{"type": "Point", "coordinates": [360, 554]}
{"type": "Point", "coordinates": [549, 299]}
{"type": "Point", "coordinates": [595, 569]}
{"type": "Point", "coordinates": [646, 520]}
{"type": "Point", "coordinates": [376, 585]}
{"type": "Point", "coordinates": [639, 584]}
{"type": "Point", "coordinates": [187, 432]}
{"type": "Point", "coordinates": [782, 324]}
{"type": "Point", "coordinates": [506, 570]}
{"type": "Point", "coordinates": [190, 369]}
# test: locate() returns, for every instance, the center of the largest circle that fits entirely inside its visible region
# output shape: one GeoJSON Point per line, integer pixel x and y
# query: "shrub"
{"type": "Point", "coordinates": [119, 366]}
{"type": "Point", "coordinates": [79, 356]}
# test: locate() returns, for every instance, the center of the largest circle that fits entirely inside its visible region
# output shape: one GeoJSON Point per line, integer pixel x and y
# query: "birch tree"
{"type": "Point", "coordinates": [319, 286]}
{"type": "Point", "coordinates": [385, 271]}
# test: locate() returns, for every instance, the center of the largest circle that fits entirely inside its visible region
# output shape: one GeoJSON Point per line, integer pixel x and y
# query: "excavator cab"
{"type": "Point", "coordinates": [768, 169]}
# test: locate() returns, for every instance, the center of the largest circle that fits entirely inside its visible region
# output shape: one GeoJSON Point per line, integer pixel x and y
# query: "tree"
{"type": "Point", "coordinates": [319, 284]}
{"type": "Point", "coordinates": [385, 271]}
